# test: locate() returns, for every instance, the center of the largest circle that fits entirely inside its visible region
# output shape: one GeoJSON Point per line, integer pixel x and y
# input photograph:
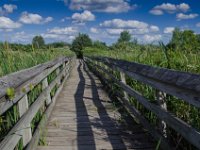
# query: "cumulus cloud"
{"type": "Point", "coordinates": [7, 9]}
{"type": "Point", "coordinates": [116, 26]}
{"type": "Point", "coordinates": [8, 24]}
{"type": "Point", "coordinates": [119, 23]}
{"type": "Point", "coordinates": [169, 8]}
{"type": "Point", "coordinates": [182, 16]}
{"type": "Point", "coordinates": [83, 17]}
{"type": "Point", "coordinates": [65, 31]}
{"type": "Point", "coordinates": [168, 30]}
{"type": "Point", "coordinates": [22, 37]}
{"type": "Point", "coordinates": [30, 18]}
{"type": "Point", "coordinates": [198, 24]}
{"type": "Point", "coordinates": [61, 34]}
{"type": "Point", "coordinates": [94, 30]}
{"type": "Point", "coordinates": [152, 38]}
{"type": "Point", "coordinates": [154, 28]}
{"type": "Point", "coordinates": [108, 6]}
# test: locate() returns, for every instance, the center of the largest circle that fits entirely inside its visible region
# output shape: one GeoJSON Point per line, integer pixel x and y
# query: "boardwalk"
{"type": "Point", "coordinates": [84, 119]}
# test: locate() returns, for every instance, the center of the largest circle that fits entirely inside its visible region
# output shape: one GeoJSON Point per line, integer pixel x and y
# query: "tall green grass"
{"type": "Point", "coordinates": [12, 61]}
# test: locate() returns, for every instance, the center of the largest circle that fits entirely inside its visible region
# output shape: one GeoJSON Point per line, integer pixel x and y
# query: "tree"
{"type": "Point", "coordinates": [184, 40]}
{"type": "Point", "coordinates": [99, 44]}
{"type": "Point", "coordinates": [79, 43]}
{"type": "Point", "coordinates": [125, 37]}
{"type": "Point", "coordinates": [38, 41]}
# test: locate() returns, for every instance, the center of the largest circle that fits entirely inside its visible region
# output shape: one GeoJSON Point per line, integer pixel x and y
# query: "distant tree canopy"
{"type": "Point", "coordinates": [79, 43]}
{"type": "Point", "coordinates": [58, 44]}
{"type": "Point", "coordinates": [184, 40]}
{"type": "Point", "coordinates": [125, 36]}
{"type": "Point", "coordinates": [99, 44]}
{"type": "Point", "coordinates": [38, 42]}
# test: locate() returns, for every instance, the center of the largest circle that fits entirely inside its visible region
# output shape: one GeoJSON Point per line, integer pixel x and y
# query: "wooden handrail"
{"type": "Point", "coordinates": [23, 82]}
{"type": "Point", "coordinates": [179, 84]}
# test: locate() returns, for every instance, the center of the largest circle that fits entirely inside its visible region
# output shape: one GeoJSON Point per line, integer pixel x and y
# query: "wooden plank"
{"type": "Point", "coordinates": [82, 117]}
{"type": "Point", "coordinates": [44, 86]}
{"type": "Point", "coordinates": [26, 132]}
{"type": "Point", "coordinates": [34, 141]}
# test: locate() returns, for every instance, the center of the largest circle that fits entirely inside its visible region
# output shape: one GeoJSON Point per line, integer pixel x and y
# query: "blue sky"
{"type": "Point", "coordinates": [149, 21]}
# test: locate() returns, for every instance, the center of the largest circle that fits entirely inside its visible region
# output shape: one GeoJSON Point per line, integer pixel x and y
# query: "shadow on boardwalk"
{"type": "Point", "coordinates": [103, 122]}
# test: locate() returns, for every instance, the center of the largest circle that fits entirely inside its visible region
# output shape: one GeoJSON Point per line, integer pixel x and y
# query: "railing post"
{"type": "Point", "coordinates": [44, 86]}
{"type": "Point", "coordinates": [123, 80]}
{"type": "Point", "coordinates": [161, 100]}
{"type": "Point", "coordinates": [26, 131]}
{"type": "Point", "coordinates": [57, 73]}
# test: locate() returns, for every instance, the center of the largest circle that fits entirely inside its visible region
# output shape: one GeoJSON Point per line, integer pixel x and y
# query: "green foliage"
{"type": "Point", "coordinates": [38, 42]}
{"type": "Point", "coordinates": [100, 45]}
{"type": "Point", "coordinates": [185, 40]}
{"type": "Point", "coordinates": [125, 36]}
{"type": "Point", "coordinates": [10, 92]}
{"type": "Point", "coordinates": [79, 43]}
{"type": "Point", "coordinates": [12, 61]}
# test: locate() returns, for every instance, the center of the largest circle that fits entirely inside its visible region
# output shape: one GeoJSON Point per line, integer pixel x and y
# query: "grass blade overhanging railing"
{"type": "Point", "coordinates": [181, 88]}
{"type": "Point", "coordinates": [26, 100]}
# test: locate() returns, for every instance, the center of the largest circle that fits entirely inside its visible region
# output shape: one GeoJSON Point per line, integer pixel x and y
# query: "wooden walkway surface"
{"type": "Point", "coordinates": [84, 119]}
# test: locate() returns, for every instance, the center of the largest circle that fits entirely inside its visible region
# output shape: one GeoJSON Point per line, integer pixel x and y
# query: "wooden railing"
{"type": "Point", "coordinates": [29, 96]}
{"type": "Point", "coordinates": [185, 87]}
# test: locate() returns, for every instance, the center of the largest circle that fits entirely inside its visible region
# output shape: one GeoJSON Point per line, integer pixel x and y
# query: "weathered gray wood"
{"type": "Point", "coordinates": [15, 134]}
{"type": "Point", "coordinates": [123, 79]}
{"type": "Point", "coordinates": [41, 127]}
{"type": "Point", "coordinates": [44, 86]}
{"type": "Point", "coordinates": [189, 133]}
{"type": "Point", "coordinates": [83, 117]}
{"type": "Point", "coordinates": [135, 113]}
{"type": "Point", "coordinates": [177, 86]}
{"type": "Point", "coordinates": [26, 132]}
{"type": "Point", "coordinates": [161, 100]}
{"type": "Point", "coordinates": [22, 80]}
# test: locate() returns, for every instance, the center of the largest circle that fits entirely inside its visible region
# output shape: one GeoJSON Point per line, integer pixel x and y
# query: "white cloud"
{"type": "Point", "coordinates": [127, 24]}
{"type": "Point", "coordinates": [61, 34]}
{"type": "Point", "coordinates": [183, 7]}
{"type": "Point", "coordinates": [94, 30]}
{"type": "Point", "coordinates": [116, 26]}
{"type": "Point", "coordinates": [154, 28]}
{"type": "Point", "coordinates": [56, 37]}
{"type": "Point", "coordinates": [156, 12]}
{"type": "Point", "coordinates": [114, 31]}
{"type": "Point", "coordinates": [83, 17]}
{"type": "Point", "coordinates": [168, 30]}
{"type": "Point", "coordinates": [8, 24]}
{"type": "Point", "coordinates": [198, 24]}
{"type": "Point", "coordinates": [30, 18]}
{"type": "Point", "coordinates": [152, 38]}
{"type": "Point", "coordinates": [48, 19]}
{"type": "Point", "coordinates": [22, 37]}
{"type": "Point", "coordinates": [64, 31]}
{"type": "Point", "coordinates": [7, 8]}
{"type": "Point", "coordinates": [108, 6]}
{"type": "Point", "coordinates": [182, 16]}
{"type": "Point", "coordinates": [169, 8]}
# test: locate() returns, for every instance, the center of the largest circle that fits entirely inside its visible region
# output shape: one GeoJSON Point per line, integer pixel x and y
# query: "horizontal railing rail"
{"type": "Point", "coordinates": [29, 96]}
{"type": "Point", "coordinates": [184, 86]}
